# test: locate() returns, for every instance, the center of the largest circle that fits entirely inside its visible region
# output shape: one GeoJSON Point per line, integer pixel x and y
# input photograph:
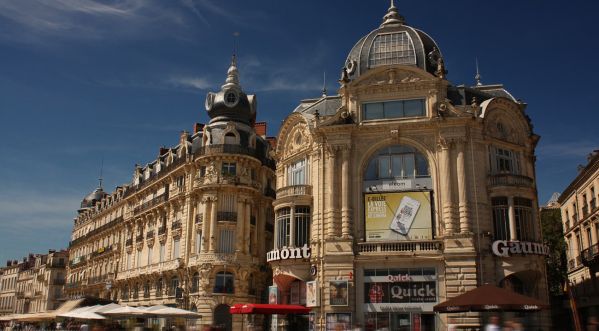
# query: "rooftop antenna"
{"type": "Point", "coordinates": [324, 84]}
{"type": "Point", "coordinates": [101, 169]}
{"type": "Point", "coordinates": [477, 76]}
{"type": "Point", "coordinates": [235, 35]}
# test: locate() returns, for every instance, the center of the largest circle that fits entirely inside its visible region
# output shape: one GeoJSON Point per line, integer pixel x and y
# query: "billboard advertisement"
{"type": "Point", "coordinates": [398, 216]}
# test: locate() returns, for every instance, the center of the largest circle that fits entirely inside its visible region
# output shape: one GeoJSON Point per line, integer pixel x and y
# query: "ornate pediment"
{"type": "Point", "coordinates": [298, 140]}
{"type": "Point", "coordinates": [391, 76]}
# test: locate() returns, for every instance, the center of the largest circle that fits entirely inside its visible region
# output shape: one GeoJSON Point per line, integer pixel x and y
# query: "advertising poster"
{"type": "Point", "coordinates": [398, 216]}
{"type": "Point", "coordinates": [339, 322]}
{"type": "Point", "coordinates": [312, 294]}
{"type": "Point", "coordinates": [273, 295]}
{"type": "Point", "coordinates": [338, 293]}
{"type": "Point", "coordinates": [400, 289]}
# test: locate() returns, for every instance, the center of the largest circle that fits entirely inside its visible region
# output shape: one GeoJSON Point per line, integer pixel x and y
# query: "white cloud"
{"type": "Point", "coordinates": [566, 149]}
{"type": "Point", "coordinates": [36, 210]}
{"type": "Point", "coordinates": [199, 83]}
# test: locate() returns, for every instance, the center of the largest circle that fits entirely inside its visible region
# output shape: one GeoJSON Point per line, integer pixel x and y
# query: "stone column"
{"type": "Point", "coordinates": [292, 233]}
{"type": "Point", "coordinates": [205, 224]}
{"type": "Point", "coordinates": [257, 228]}
{"type": "Point", "coordinates": [276, 234]}
{"type": "Point", "coordinates": [446, 185]}
{"type": "Point", "coordinates": [512, 216]}
{"type": "Point", "coordinates": [462, 188]}
{"type": "Point", "coordinates": [331, 197]}
{"type": "Point", "coordinates": [213, 211]}
{"type": "Point", "coordinates": [346, 229]}
{"type": "Point", "coordinates": [246, 226]}
{"type": "Point", "coordinates": [239, 225]}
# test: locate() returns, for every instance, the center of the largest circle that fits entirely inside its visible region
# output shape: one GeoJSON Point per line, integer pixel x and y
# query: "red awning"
{"type": "Point", "coordinates": [258, 308]}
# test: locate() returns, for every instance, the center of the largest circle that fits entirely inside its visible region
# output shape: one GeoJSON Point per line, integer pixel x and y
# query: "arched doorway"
{"type": "Point", "coordinates": [222, 317]}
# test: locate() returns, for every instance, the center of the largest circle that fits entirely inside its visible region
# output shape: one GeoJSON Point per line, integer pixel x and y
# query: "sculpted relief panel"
{"type": "Point", "coordinates": [298, 140]}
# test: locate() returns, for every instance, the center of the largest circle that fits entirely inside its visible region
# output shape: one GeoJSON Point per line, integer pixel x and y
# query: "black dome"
{"type": "Point", "coordinates": [91, 198]}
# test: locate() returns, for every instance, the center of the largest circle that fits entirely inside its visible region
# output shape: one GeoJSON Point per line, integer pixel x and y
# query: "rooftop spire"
{"type": "Point", "coordinates": [477, 76]}
{"type": "Point", "coordinates": [101, 169]}
{"type": "Point", "coordinates": [232, 75]}
{"type": "Point", "coordinates": [324, 84]}
{"type": "Point", "coordinates": [393, 16]}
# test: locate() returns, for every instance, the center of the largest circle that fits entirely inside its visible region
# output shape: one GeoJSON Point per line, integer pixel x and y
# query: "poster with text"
{"type": "Point", "coordinates": [398, 216]}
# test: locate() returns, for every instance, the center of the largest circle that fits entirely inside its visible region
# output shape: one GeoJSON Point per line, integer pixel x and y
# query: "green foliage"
{"type": "Point", "coordinates": [553, 235]}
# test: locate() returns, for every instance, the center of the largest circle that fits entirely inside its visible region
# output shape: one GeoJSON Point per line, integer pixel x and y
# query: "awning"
{"type": "Point", "coordinates": [258, 308]}
{"type": "Point", "coordinates": [490, 298]}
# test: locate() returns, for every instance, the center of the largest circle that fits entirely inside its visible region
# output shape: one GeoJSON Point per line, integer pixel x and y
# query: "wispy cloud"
{"type": "Point", "coordinates": [199, 83]}
{"type": "Point", "coordinates": [34, 21]}
{"type": "Point", "coordinates": [36, 210]}
{"type": "Point", "coordinates": [566, 149]}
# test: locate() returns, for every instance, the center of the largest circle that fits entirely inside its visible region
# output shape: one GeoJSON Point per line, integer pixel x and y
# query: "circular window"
{"type": "Point", "coordinates": [231, 98]}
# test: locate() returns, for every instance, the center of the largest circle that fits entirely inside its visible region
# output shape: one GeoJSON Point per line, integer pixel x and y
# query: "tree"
{"type": "Point", "coordinates": [553, 235]}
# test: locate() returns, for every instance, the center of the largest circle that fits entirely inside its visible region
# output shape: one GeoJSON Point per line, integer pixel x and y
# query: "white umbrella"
{"type": "Point", "coordinates": [88, 315]}
{"type": "Point", "coordinates": [175, 312]}
{"type": "Point", "coordinates": [125, 311]}
{"type": "Point", "coordinates": [105, 308]}
{"type": "Point", "coordinates": [77, 311]}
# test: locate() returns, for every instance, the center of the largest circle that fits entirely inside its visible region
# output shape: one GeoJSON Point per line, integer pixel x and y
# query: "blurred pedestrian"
{"type": "Point", "coordinates": [493, 324]}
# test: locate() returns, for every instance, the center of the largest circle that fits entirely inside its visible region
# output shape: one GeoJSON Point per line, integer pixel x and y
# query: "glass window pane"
{"type": "Point", "coordinates": [371, 170]}
{"type": "Point", "coordinates": [421, 166]}
{"type": "Point", "coordinates": [393, 109]}
{"type": "Point", "coordinates": [408, 166]}
{"type": "Point", "coordinates": [384, 167]}
{"type": "Point", "coordinates": [414, 108]}
{"type": "Point", "coordinates": [397, 161]}
{"type": "Point", "coordinates": [373, 111]}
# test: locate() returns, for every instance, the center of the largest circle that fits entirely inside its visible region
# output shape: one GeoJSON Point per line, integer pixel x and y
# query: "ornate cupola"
{"type": "Point", "coordinates": [231, 103]}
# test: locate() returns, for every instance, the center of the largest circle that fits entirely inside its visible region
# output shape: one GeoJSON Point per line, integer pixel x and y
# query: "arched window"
{"type": "Point", "coordinates": [135, 291]}
{"type": "Point", "coordinates": [125, 293]}
{"type": "Point", "coordinates": [397, 162]}
{"type": "Point", "coordinates": [392, 48]}
{"type": "Point", "coordinates": [147, 289]}
{"type": "Point", "coordinates": [230, 138]}
{"type": "Point", "coordinates": [224, 283]}
{"type": "Point", "coordinates": [195, 283]}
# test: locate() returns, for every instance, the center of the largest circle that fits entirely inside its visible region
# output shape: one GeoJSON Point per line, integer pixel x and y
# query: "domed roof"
{"type": "Point", "coordinates": [91, 198]}
{"type": "Point", "coordinates": [231, 103]}
{"type": "Point", "coordinates": [393, 43]}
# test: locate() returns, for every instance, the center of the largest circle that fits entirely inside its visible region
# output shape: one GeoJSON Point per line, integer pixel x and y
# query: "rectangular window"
{"type": "Point", "coordinates": [138, 259]}
{"type": "Point", "coordinates": [229, 169]}
{"type": "Point", "coordinates": [284, 227]}
{"type": "Point", "coordinates": [523, 221]}
{"type": "Point", "coordinates": [302, 226]}
{"type": "Point", "coordinates": [393, 109]}
{"type": "Point", "coordinates": [501, 222]}
{"type": "Point", "coordinates": [226, 243]}
{"type": "Point", "coordinates": [506, 161]}
{"type": "Point", "coordinates": [161, 255]}
{"type": "Point", "coordinates": [128, 261]}
{"type": "Point", "coordinates": [296, 173]}
{"type": "Point", "coordinates": [176, 248]}
{"type": "Point", "coordinates": [593, 199]}
{"type": "Point", "coordinates": [150, 250]}
{"type": "Point", "coordinates": [199, 241]}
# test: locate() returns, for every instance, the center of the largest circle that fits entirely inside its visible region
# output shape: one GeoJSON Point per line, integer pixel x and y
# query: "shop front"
{"type": "Point", "coordinates": [400, 298]}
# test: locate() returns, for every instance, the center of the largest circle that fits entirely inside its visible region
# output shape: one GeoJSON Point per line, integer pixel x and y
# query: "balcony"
{"type": "Point", "coordinates": [149, 204]}
{"type": "Point", "coordinates": [590, 256]}
{"type": "Point", "coordinates": [57, 281]}
{"type": "Point", "coordinates": [199, 218]}
{"type": "Point", "coordinates": [129, 242]}
{"type": "Point", "coordinates": [162, 230]}
{"type": "Point", "coordinates": [150, 234]}
{"type": "Point", "coordinates": [294, 190]}
{"type": "Point", "coordinates": [509, 180]}
{"type": "Point", "coordinates": [96, 230]}
{"type": "Point", "coordinates": [226, 216]}
{"type": "Point", "coordinates": [233, 149]}
{"type": "Point", "coordinates": [176, 225]}
{"type": "Point", "coordinates": [77, 261]}
{"type": "Point", "coordinates": [269, 192]}
{"type": "Point", "coordinates": [139, 238]}
{"type": "Point", "coordinates": [384, 248]}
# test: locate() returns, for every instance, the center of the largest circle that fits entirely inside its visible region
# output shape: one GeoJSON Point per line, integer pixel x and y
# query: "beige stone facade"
{"type": "Point", "coordinates": [401, 186]}
{"type": "Point", "coordinates": [580, 217]}
{"type": "Point", "coordinates": [33, 285]}
{"type": "Point", "coordinates": [192, 228]}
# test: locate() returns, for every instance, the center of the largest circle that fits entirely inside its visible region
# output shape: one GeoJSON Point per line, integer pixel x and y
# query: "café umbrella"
{"type": "Point", "coordinates": [490, 298]}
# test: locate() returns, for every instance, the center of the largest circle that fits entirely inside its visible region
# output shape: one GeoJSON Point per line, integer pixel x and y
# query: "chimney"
{"type": "Point", "coordinates": [162, 151]}
{"type": "Point", "coordinates": [197, 127]}
{"type": "Point", "coordinates": [8, 263]}
{"type": "Point", "coordinates": [260, 128]}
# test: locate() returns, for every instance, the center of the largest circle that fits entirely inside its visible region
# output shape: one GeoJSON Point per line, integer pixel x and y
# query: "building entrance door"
{"type": "Point", "coordinates": [222, 317]}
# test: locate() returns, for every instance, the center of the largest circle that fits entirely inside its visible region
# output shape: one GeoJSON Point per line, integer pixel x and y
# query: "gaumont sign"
{"type": "Point", "coordinates": [289, 253]}
{"type": "Point", "coordinates": [505, 248]}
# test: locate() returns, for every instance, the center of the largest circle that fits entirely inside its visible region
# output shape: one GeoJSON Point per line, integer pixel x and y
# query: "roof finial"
{"type": "Point", "coordinates": [324, 84]}
{"type": "Point", "coordinates": [477, 76]}
{"type": "Point", "coordinates": [393, 16]}
{"type": "Point", "coordinates": [101, 169]}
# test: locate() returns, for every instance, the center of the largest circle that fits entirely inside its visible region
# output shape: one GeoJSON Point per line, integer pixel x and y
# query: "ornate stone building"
{"type": "Point", "coordinates": [33, 285]}
{"type": "Point", "coordinates": [193, 227]}
{"type": "Point", "coordinates": [580, 217]}
{"type": "Point", "coordinates": [403, 191]}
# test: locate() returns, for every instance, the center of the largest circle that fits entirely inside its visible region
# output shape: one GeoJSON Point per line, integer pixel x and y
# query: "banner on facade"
{"type": "Point", "coordinates": [338, 294]}
{"type": "Point", "coordinates": [312, 294]}
{"type": "Point", "coordinates": [398, 216]}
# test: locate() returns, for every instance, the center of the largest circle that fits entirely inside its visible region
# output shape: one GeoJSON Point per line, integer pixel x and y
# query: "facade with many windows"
{"type": "Point", "coordinates": [403, 191]}
{"type": "Point", "coordinates": [192, 228]}
{"type": "Point", "coordinates": [580, 217]}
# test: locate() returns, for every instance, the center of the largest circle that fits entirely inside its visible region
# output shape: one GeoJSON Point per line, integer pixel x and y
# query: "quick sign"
{"type": "Point", "coordinates": [289, 253]}
{"type": "Point", "coordinates": [505, 248]}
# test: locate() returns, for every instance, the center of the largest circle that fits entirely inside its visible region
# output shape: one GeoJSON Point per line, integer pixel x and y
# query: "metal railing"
{"type": "Point", "coordinates": [162, 230]}
{"type": "Point", "coordinates": [176, 225]}
{"type": "Point", "coordinates": [234, 149]}
{"type": "Point", "coordinates": [199, 218]}
{"type": "Point", "coordinates": [590, 255]}
{"type": "Point", "coordinates": [226, 216]}
{"type": "Point", "coordinates": [149, 204]}
{"type": "Point", "coordinates": [96, 230]}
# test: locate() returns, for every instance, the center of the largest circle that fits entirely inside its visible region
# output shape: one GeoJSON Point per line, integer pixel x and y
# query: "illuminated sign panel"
{"type": "Point", "coordinates": [398, 216]}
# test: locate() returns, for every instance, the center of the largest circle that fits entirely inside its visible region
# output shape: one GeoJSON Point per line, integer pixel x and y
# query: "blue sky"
{"type": "Point", "coordinates": [83, 80]}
